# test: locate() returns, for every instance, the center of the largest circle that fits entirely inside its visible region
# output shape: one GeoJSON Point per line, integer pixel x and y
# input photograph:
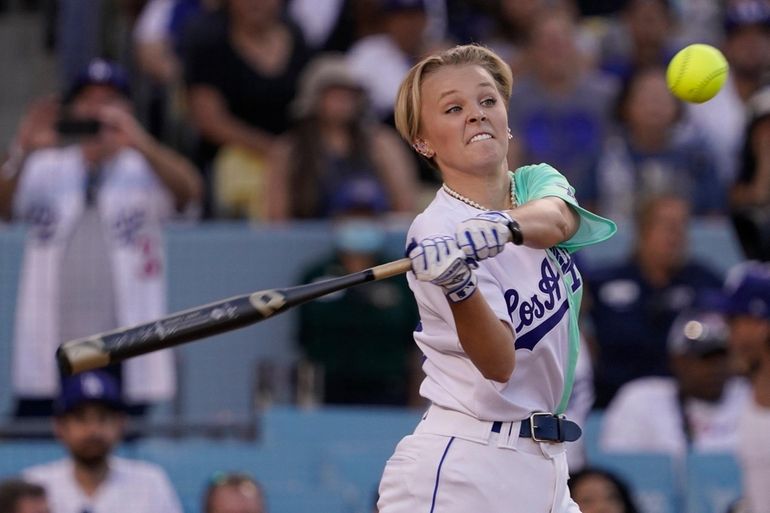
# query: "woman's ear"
{"type": "Point", "coordinates": [423, 148]}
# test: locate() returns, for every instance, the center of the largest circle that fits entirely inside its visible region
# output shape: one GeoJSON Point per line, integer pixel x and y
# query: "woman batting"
{"type": "Point", "coordinates": [500, 335]}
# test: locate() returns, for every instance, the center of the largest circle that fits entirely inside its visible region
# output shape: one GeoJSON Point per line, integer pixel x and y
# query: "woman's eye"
{"type": "Point", "coordinates": [452, 109]}
{"type": "Point", "coordinates": [488, 102]}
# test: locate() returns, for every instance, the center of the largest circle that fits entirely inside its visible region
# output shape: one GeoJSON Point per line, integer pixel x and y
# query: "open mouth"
{"type": "Point", "coordinates": [480, 137]}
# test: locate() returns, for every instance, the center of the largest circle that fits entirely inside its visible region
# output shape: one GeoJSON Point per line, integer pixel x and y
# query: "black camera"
{"type": "Point", "coordinates": [78, 127]}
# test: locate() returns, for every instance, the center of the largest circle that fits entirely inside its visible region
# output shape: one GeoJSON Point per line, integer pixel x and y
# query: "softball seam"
{"type": "Point", "coordinates": [711, 76]}
{"type": "Point", "coordinates": [682, 68]}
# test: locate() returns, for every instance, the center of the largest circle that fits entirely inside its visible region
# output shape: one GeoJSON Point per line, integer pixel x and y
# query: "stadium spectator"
{"type": "Point", "coordinates": [748, 307]}
{"type": "Point", "coordinates": [158, 36]}
{"type": "Point", "coordinates": [329, 26]}
{"type": "Point", "coordinates": [89, 422]}
{"type": "Point", "coordinates": [18, 496]}
{"type": "Point", "coordinates": [514, 20]}
{"type": "Point", "coordinates": [361, 338]}
{"type": "Point", "coordinates": [242, 65]}
{"type": "Point", "coordinates": [333, 142]}
{"type": "Point", "coordinates": [600, 491]}
{"type": "Point", "coordinates": [652, 151]}
{"type": "Point", "coordinates": [696, 409]}
{"type": "Point", "coordinates": [559, 109]}
{"type": "Point", "coordinates": [633, 303]}
{"type": "Point", "coordinates": [382, 60]}
{"type": "Point", "coordinates": [157, 44]}
{"type": "Point", "coordinates": [233, 493]}
{"type": "Point", "coordinates": [750, 195]}
{"type": "Point", "coordinates": [747, 49]}
{"type": "Point", "coordinates": [642, 36]}
{"type": "Point", "coordinates": [94, 253]}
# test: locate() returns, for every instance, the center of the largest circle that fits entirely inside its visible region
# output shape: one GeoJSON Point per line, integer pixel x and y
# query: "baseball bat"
{"type": "Point", "coordinates": [178, 328]}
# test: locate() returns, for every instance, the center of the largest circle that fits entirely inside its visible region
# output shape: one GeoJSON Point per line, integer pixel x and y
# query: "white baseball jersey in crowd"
{"type": "Point", "coordinates": [628, 425]}
{"type": "Point", "coordinates": [131, 206]}
{"type": "Point", "coordinates": [454, 462]}
{"type": "Point", "coordinates": [131, 487]}
{"type": "Point", "coordinates": [754, 455]}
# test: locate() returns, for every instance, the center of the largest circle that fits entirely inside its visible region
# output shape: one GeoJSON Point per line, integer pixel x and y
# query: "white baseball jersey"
{"type": "Point", "coordinates": [131, 487]}
{"type": "Point", "coordinates": [629, 426]}
{"type": "Point", "coordinates": [537, 292]}
{"type": "Point", "coordinates": [754, 455]}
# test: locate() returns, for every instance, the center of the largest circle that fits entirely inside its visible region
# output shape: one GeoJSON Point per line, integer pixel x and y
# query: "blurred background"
{"type": "Point", "coordinates": [273, 161]}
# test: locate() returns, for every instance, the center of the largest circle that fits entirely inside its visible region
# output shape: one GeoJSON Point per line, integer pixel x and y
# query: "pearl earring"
{"type": "Point", "coordinates": [510, 135]}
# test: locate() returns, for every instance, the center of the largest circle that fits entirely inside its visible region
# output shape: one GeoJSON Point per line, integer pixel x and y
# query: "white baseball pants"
{"type": "Point", "coordinates": [454, 463]}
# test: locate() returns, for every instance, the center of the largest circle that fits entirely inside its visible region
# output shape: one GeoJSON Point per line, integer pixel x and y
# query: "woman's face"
{"type": "Point", "coordinates": [650, 104]}
{"type": "Point", "coordinates": [595, 494]}
{"type": "Point", "coordinates": [463, 119]}
{"type": "Point", "coordinates": [255, 12]}
{"type": "Point", "coordinates": [338, 104]}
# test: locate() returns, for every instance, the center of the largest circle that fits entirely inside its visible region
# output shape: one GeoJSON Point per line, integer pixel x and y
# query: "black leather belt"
{"type": "Point", "coordinates": [545, 427]}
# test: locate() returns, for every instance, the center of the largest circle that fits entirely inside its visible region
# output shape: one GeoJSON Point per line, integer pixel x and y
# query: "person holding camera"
{"type": "Point", "coordinates": [94, 189]}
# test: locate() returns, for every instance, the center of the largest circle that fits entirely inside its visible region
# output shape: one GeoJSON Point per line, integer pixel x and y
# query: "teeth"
{"type": "Point", "coordinates": [480, 137]}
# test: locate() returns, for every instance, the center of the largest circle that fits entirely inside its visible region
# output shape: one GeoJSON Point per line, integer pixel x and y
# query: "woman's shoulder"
{"type": "Point", "coordinates": [438, 218]}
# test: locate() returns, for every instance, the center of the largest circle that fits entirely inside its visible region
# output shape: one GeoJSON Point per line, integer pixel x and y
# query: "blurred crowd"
{"type": "Point", "coordinates": [279, 110]}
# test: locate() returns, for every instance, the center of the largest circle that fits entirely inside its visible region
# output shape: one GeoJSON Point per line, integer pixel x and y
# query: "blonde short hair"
{"type": "Point", "coordinates": [408, 101]}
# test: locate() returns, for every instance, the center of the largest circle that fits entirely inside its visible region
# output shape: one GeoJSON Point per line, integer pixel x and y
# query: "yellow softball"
{"type": "Point", "coordinates": [697, 73]}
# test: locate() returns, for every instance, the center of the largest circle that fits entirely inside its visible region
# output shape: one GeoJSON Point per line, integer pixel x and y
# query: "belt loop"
{"type": "Point", "coordinates": [509, 434]}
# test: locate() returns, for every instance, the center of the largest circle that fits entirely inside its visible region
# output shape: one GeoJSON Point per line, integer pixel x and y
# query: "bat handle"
{"type": "Point", "coordinates": [392, 268]}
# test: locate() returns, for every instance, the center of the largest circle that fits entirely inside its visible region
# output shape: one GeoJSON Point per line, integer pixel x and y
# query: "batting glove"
{"type": "Point", "coordinates": [440, 261]}
{"type": "Point", "coordinates": [485, 235]}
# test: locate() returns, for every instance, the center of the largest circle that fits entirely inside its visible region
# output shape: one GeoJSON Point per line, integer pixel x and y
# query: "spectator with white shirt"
{"type": "Point", "coordinates": [95, 190]}
{"type": "Point", "coordinates": [381, 61]}
{"type": "Point", "coordinates": [748, 308]}
{"type": "Point", "coordinates": [696, 409]}
{"type": "Point", "coordinates": [89, 422]}
{"type": "Point", "coordinates": [747, 49]}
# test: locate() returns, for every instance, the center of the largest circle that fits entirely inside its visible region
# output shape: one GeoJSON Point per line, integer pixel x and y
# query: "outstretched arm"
{"type": "Point", "coordinates": [487, 341]}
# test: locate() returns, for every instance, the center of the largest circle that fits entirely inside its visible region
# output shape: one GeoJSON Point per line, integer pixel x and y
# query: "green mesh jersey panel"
{"type": "Point", "coordinates": [541, 181]}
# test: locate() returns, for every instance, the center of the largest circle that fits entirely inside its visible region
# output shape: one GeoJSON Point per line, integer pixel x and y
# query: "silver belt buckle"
{"type": "Point", "coordinates": [532, 425]}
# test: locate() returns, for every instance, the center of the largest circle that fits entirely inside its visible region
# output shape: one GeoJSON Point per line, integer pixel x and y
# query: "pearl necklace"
{"type": "Point", "coordinates": [456, 195]}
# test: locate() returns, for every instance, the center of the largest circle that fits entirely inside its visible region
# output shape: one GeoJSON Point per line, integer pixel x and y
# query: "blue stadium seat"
{"type": "Point", "coordinates": [355, 470]}
{"type": "Point", "coordinates": [592, 428]}
{"type": "Point", "coordinates": [713, 483]}
{"type": "Point", "coordinates": [191, 464]}
{"type": "Point", "coordinates": [652, 478]}
{"type": "Point", "coordinates": [281, 499]}
{"type": "Point", "coordinates": [329, 425]}
{"type": "Point", "coordinates": [17, 455]}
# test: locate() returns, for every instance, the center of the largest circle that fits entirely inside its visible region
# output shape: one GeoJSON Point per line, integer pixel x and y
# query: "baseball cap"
{"type": "Point", "coordinates": [698, 333]}
{"type": "Point", "coordinates": [740, 13]}
{"type": "Point", "coordinates": [747, 290]}
{"type": "Point", "coordinates": [100, 72]}
{"type": "Point", "coordinates": [94, 386]}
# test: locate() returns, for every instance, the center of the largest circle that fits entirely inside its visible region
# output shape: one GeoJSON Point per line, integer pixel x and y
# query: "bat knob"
{"type": "Point", "coordinates": [81, 355]}
{"type": "Point", "coordinates": [65, 367]}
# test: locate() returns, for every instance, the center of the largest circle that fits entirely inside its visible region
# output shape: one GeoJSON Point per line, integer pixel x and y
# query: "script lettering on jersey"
{"type": "Point", "coordinates": [567, 265]}
{"type": "Point", "coordinates": [545, 308]}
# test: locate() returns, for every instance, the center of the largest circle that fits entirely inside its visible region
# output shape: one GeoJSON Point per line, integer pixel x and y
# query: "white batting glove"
{"type": "Point", "coordinates": [485, 235]}
{"type": "Point", "coordinates": [440, 261]}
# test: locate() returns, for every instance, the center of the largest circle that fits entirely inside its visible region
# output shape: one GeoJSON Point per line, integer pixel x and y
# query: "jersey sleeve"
{"type": "Point", "coordinates": [541, 181]}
